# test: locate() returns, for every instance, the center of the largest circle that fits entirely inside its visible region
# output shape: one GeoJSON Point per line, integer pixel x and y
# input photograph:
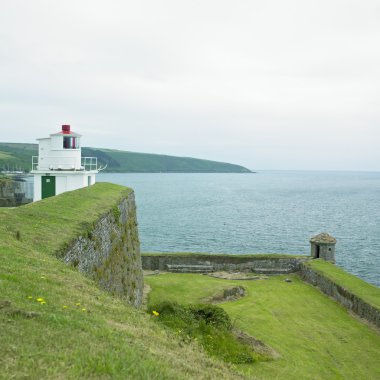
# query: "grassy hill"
{"type": "Point", "coordinates": [315, 337]}
{"type": "Point", "coordinates": [17, 155]}
{"type": "Point", "coordinates": [57, 324]}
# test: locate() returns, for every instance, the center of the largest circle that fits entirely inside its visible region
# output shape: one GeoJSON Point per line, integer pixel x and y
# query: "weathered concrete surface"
{"type": "Point", "coordinates": [342, 295]}
{"type": "Point", "coordinates": [228, 263]}
{"type": "Point", "coordinates": [13, 192]}
{"type": "Point", "coordinates": [109, 252]}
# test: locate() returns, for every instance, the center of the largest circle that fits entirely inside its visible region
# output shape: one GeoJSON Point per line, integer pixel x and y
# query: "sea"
{"type": "Point", "coordinates": [263, 212]}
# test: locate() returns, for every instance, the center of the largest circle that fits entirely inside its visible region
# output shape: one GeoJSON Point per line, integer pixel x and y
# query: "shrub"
{"type": "Point", "coordinates": [211, 314]}
{"type": "Point", "coordinates": [167, 308]}
{"type": "Point", "coordinates": [210, 325]}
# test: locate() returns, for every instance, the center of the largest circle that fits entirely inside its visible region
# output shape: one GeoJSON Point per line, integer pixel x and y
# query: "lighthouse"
{"type": "Point", "coordinates": [59, 166]}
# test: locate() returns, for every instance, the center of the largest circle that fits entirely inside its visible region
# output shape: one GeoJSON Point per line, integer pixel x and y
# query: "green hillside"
{"type": "Point", "coordinates": [314, 336]}
{"type": "Point", "coordinates": [57, 324]}
{"type": "Point", "coordinates": [19, 156]}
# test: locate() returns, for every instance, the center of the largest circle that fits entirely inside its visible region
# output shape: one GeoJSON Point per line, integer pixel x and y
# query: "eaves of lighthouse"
{"type": "Point", "coordinates": [59, 166]}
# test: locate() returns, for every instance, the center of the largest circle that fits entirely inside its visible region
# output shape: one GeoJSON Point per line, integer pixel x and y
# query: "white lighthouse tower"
{"type": "Point", "coordinates": [59, 166]}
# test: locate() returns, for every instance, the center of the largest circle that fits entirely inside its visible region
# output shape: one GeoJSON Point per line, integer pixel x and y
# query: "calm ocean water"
{"type": "Point", "coordinates": [267, 212]}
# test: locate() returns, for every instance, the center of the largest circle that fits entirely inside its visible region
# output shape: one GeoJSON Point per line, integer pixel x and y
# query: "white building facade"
{"type": "Point", "coordinates": [59, 166]}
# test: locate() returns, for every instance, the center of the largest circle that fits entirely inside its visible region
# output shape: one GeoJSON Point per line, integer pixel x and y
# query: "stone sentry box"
{"type": "Point", "coordinates": [323, 247]}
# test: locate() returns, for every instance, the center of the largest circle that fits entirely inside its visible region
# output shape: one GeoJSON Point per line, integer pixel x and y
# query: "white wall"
{"type": "Point", "coordinates": [63, 182]}
{"type": "Point", "coordinates": [76, 181]}
{"type": "Point", "coordinates": [93, 179]}
{"type": "Point", "coordinates": [52, 154]}
{"type": "Point", "coordinates": [56, 142]}
{"type": "Point", "coordinates": [60, 184]}
{"type": "Point", "coordinates": [37, 188]}
{"type": "Point", "coordinates": [43, 147]}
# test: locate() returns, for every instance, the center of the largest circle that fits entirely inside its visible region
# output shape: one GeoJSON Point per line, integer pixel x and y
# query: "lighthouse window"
{"type": "Point", "coordinates": [70, 143]}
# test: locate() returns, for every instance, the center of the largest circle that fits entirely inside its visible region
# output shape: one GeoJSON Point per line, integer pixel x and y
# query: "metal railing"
{"type": "Point", "coordinates": [68, 164]}
{"type": "Point", "coordinates": [34, 163]}
{"type": "Point", "coordinates": [90, 163]}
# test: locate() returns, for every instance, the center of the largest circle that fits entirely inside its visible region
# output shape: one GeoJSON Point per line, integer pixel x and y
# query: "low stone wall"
{"type": "Point", "coordinates": [229, 263]}
{"type": "Point", "coordinates": [109, 252]}
{"type": "Point", "coordinates": [13, 192]}
{"type": "Point", "coordinates": [340, 294]}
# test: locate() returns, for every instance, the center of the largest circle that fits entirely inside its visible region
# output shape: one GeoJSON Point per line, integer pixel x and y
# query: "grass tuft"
{"type": "Point", "coordinates": [209, 325]}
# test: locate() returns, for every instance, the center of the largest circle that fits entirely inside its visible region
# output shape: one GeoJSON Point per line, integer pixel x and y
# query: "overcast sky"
{"type": "Point", "coordinates": [266, 84]}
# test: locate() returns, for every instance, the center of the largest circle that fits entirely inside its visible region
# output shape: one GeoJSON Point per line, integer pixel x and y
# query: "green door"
{"type": "Point", "coordinates": [47, 186]}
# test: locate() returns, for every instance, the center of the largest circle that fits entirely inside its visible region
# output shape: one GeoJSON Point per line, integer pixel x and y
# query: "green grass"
{"type": "Point", "coordinates": [362, 289]}
{"type": "Point", "coordinates": [81, 331]}
{"type": "Point", "coordinates": [315, 336]}
{"type": "Point", "coordinates": [209, 325]}
{"type": "Point", "coordinates": [17, 155]}
{"type": "Point", "coordinates": [5, 156]}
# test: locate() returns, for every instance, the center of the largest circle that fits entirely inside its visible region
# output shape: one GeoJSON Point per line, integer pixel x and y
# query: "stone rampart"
{"type": "Point", "coordinates": [109, 252]}
{"type": "Point", "coordinates": [230, 263]}
{"type": "Point", "coordinates": [340, 294]}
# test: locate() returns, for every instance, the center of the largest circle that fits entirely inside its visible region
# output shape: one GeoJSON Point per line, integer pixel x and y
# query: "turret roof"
{"type": "Point", "coordinates": [323, 238]}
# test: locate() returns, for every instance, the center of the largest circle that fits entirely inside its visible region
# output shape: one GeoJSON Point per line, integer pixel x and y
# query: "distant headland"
{"type": "Point", "coordinates": [18, 156]}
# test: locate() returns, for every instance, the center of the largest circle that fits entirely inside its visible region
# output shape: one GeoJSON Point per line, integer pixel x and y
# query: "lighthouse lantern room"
{"type": "Point", "coordinates": [59, 166]}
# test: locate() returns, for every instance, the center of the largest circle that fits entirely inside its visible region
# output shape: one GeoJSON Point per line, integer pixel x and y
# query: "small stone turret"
{"type": "Point", "coordinates": [323, 247]}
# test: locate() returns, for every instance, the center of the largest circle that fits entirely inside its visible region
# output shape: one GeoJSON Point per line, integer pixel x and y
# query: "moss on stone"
{"type": "Point", "coordinates": [116, 213]}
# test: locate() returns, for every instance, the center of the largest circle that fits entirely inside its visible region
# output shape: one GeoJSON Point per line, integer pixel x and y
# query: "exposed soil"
{"type": "Point", "coordinates": [7, 308]}
{"type": "Point", "coordinates": [256, 345]}
{"type": "Point", "coordinates": [229, 294]}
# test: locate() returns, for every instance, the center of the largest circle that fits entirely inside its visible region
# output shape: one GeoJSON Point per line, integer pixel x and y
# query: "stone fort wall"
{"type": "Point", "coordinates": [346, 298]}
{"type": "Point", "coordinates": [230, 263]}
{"type": "Point", "coordinates": [264, 264]}
{"type": "Point", "coordinates": [109, 252]}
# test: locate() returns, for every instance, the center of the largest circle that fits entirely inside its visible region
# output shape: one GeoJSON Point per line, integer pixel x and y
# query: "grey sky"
{"type": "Point", "coordinates": [267, 84]}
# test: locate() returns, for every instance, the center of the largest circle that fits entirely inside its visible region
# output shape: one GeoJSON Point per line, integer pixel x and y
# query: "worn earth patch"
{"type": "Point", "coordinates": [229, 294]}
{"type": "Point", "coordinates": [7, 308]}
{"type": "Point", "coordinates": [256, 345]}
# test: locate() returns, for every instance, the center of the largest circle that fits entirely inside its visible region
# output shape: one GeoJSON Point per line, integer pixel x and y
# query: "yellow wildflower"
{"type": "Point", "coordinates": [40, 299]}
{"type": "Point", "coordinates": [83, 309]}
{"type": "Point", "coordinates": [30, 297]}
{"type": "Point", "coordinates": [156, 313]}
{"type": "Point", "coordinates": [77, 304]}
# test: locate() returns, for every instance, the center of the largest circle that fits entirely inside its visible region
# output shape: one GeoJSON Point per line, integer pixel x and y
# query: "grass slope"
{"type": "Point", "coordinates": [15, 155]}
{"type": "Point", "coordinates": [315, 336]}
{"type": "Point", "coordinates": [77, 331]}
